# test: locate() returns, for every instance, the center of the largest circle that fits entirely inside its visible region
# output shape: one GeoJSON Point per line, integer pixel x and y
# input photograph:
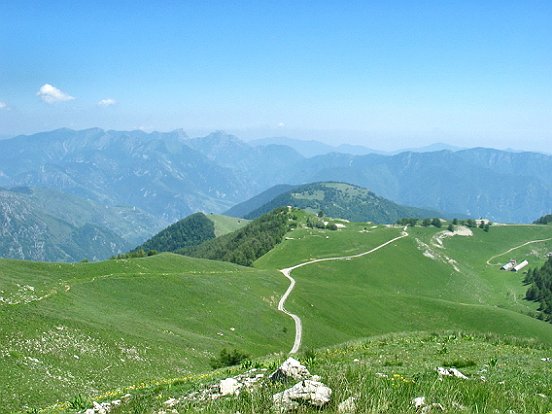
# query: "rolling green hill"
{"type": "Point", "coordinates": [226, 224]}
{"type": "Point", "coordinates": [192, 231]}
{"type": "Point", "coordinates": [444, 284]}
{"type": "Point", "coordinates": [149, 326]}
{"type": "Point", "coordinates": [340, 200]}
{"type": "Point", "coordinates": [244, 208]}
{"type": "Point", "coordinates": [87, 328]}
{"type": "Point", "coordinates": [245, 245]}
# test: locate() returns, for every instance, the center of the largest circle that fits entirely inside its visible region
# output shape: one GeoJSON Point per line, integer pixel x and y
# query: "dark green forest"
{"type": "Point", "coordinates": [540, 289]}
{"type": "Point", "coordinates": [247, 244]}
{"type": "Point", "coordinates": [547, 219]}
{"type": "Point", "coordinates": [190, 231]}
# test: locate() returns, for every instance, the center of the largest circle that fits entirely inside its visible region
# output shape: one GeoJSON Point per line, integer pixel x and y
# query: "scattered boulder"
{"type": "Point", "coordinates": [347, 406]}
{"type": "Point", "coordinates": [171, 402]}
{"type": "Point", "coordinates": [432, 408]}
{"type": "Point", "coordinates": [291, 368]}
{"type": "Point", "coordinates": [308, 392]}
{"type": "Point", "coordinates": [424, 408]}
{"type": "Point", "coordinates": [230, 386]}
{"type": "Point", "coordinates": [450, 372]}
{"type": "Point", "coordinates": [419, 402]}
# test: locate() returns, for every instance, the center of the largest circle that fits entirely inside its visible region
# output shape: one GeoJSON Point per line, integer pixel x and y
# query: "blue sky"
{"type": "Point", "coordinates": [385, 74]}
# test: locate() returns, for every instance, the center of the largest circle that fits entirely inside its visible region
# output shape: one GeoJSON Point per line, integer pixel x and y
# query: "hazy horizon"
{"type": "Point", "coordinates": [318, 136]}
{"type": "Point", "coordinates": [383, 75]}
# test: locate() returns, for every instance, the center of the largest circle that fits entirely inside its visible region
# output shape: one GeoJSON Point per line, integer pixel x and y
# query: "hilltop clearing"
{"type": "Point", "coordinates": [341, 200]}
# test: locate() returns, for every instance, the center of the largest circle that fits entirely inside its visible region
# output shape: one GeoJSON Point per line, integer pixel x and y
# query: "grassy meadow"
{"type": "Point", "coordinates": [226, 224]}
{"type": "Point", "coordinates": [89, 327]}
{"type": "Point", "coordinates": [384, 374]}
{"type": "Point", "coordinates": [151, 325]}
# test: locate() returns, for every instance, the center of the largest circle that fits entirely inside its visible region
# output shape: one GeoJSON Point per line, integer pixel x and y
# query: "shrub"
{"type": "Point", "coordinates": [78, 402]}
{"type": "Point", "coordinates": [227, 359]}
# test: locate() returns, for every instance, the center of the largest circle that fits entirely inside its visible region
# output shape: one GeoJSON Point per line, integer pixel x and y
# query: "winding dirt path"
{"type": "Point", "coordinates": [515, 248]}
{"type": "Point", "coordinates": [287, 273]}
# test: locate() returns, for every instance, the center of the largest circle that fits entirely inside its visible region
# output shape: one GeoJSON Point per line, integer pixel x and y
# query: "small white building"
{"type": "Point", "coordinates": [520, 266]}
{"type": "Point", "coordinates": [509, 266]}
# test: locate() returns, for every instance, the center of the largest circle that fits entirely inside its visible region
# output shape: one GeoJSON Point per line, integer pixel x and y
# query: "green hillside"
{"type": "Point", "coordinates": [192, 231]}
{"type": "Point", "coordinates": [151, 325]}
{"type": "Point", "coordinates": [244, 208]}
{"type": "Point", "coordinates": [248, 243]}
{"type": "Point", "coordinates": [87, 328]}
{"type": "Point", "coordinates": [385, 374]}
{"type": "Point", "coordinates": [437, 285]}
{"type": "Point", "coordinates": [226, 224]}
{"type": "Point", "coordinates": [342, 200]}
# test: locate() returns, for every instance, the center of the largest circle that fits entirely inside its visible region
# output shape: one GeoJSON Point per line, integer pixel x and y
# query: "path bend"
{"type": "Point", "coordinates": [515, 248]}
{"type": "Point", "coordinates": [287, 273]}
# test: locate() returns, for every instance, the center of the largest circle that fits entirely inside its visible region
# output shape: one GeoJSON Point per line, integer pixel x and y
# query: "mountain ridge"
{"type": "Point", "coordinates": [172, 175]}
{"type": "Point", "coordinates": [339, 200]}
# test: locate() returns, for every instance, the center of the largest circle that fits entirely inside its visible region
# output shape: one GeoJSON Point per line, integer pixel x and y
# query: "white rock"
{"type": "Point", "coordinates": [419, 402]}
{"type": "Point", "coordinates": [311, 392]}
{"type": "Point", "coordinates": [90, 411]}
{"type": "Point", "coordinates": [432, 408]}
{"type": "Point", "coordinates": [348, 406]}
{"type": "Point", "coordinates": [102, 408]}
{"type": "Point", "coordinates": [230, 386]}
{"type": "Point", "coordinates": [171, 402]}
{"type": "Point", "coordinates": [450, 372]}
{"type": "Point", "coordinates": [291, 368]}
{"type": "Point", "coordinates": [116, 403]}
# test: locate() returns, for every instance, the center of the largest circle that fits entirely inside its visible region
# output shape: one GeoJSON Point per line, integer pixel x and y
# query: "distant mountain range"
{"type": "Point", "coordinates": [311, 148]}
{"type": "Point", "coordinates": [168, 176]}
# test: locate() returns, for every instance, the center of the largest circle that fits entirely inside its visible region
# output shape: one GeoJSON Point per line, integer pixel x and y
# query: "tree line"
{"type": "Point", "coordinates": [547, 219]}
{"type": "Point", "coordinates": [247, 244]}
{"type": "Point", "coordinates": [436, 222]}
{"type": "Point", "coordinates": [540, 289]}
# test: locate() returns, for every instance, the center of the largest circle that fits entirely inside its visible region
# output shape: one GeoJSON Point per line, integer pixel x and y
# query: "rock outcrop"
{"type": "Point", "coordinates": [291, 368]}
{"type": "Point", "coordinates": [308, 392]}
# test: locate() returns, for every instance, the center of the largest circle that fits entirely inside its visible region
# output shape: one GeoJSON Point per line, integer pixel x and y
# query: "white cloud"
{"type": "Point", "coordinates": [4, 105]}
{"type": "Point", "coordinates": [281, 125]}
{"type": "Point", "coordinates": [107, 102]}
{"type": "Point", "coordinates": [50, 94]}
